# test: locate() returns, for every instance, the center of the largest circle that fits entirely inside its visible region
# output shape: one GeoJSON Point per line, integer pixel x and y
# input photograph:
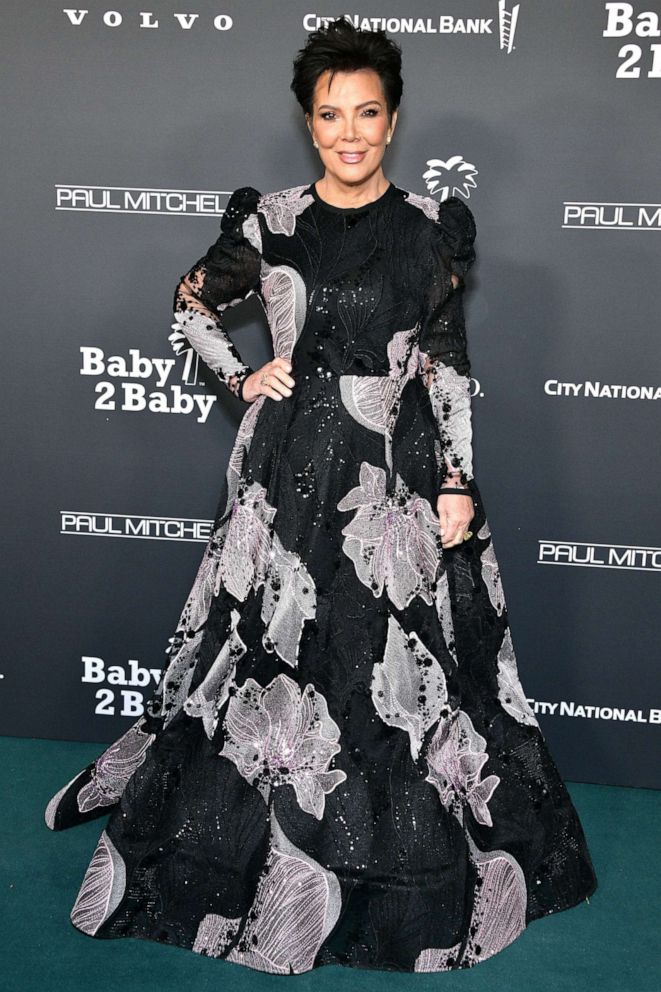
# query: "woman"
{"type": "Point", "coordinates": [339, 764]}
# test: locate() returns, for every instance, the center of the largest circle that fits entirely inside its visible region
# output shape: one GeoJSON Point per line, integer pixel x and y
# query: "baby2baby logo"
{"type": "Point", "coordinates": [137, 383]}
{"type": "Point", "coordinates": [122, 691]}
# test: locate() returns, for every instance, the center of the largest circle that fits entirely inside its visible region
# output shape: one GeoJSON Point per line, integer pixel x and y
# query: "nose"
{"type": "Point", "coordinates": [350, 131]}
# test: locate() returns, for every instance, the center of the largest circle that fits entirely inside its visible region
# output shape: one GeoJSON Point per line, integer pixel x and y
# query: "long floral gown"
{"type": "Point", "coordinates": [339, 764]}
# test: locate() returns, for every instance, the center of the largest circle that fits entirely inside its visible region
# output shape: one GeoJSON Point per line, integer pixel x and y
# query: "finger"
{"type": "Point", "coordinates": [268, 385]}
{"type": "Point", "coordinates": [270, 391]}
{"type": "Point", "coordinates": [279, 373]}
{"type": "Point", "coordinates": [273, 382]}
{"type": "Point", "coordinates": [279, 386]}
{"type": "Point", "coordinates": [453, 526]}
{"type": "Point", "coordinates": [283, 367]}
{"type": "Point", "coordinates": [452, 540]}
{"type": "Point", "coordinates": [274, 393]}
{"type": "Point", "coordinates": [455, 531]}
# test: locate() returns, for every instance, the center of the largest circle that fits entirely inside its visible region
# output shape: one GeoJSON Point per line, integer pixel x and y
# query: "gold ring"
{"type": "Point", "coordinates": [263, 378]}
{"type": "Point", "coordinates": [467, 535]}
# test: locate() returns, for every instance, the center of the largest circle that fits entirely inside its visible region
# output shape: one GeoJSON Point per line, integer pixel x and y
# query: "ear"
{"type": "Point", "coordinates": [393, 121]}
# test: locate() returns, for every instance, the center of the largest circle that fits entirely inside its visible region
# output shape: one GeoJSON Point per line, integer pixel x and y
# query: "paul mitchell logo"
{"type": "Point", "coordinates": [587, 555]}
{"type": "Point", "coordinates": [611, 216]}
{"type": "Point", "coordinates": [140, 200]}
{"type": "Point", "coordinates": [102, 524]}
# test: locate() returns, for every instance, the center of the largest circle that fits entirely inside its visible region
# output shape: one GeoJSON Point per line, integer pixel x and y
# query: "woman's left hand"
{"type": "Point", "coordinates": [455, 513]}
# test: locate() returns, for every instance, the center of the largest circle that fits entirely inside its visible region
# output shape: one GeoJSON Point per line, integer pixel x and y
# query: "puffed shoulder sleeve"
{"type": "Point", "coordinates": [444, 361]}
{"type": "Point", "coordinates": [228, 273]}
{"type": "Point", "coordinates": [455, 225]}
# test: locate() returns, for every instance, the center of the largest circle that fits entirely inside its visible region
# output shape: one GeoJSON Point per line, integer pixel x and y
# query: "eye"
{"type": "Point", "coordinates": [328, 114]}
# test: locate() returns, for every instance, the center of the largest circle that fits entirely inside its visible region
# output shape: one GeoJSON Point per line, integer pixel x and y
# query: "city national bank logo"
{"type": "Point", "coordinates": [585, 555]}
{"type": "Point", "coordinates": [449, 177]}
{"type": "Point", "coordinates": [91, 524]}
{"type": "Point", "coordinates": [508, 15]}
{"type": "Point", "coordinates": [592, 215]}
{"type": "Point", "coordinates": [584, 711]}
{"type": "Point", "coordinates": [596, 389]}
{"type": "Point", "coordinates": [124, 383]}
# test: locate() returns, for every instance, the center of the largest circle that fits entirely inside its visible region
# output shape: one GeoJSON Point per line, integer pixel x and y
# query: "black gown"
{"type": "Point", "coordinates": [339, 764]}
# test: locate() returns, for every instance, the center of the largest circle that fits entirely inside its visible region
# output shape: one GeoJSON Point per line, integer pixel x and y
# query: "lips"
{"type": "Point", "coordinates": [352, 157]}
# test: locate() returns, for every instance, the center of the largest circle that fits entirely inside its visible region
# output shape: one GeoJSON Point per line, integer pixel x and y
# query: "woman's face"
{"type": "Point", "coordinates": [350, 124]}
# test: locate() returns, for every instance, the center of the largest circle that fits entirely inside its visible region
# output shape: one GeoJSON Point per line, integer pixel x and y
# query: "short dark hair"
{"type": "Point", "coordinates": [340, 47]}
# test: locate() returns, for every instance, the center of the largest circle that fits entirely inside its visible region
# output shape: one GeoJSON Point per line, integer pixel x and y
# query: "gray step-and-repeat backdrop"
{"type": "Point", "coordinates": [126, 130]}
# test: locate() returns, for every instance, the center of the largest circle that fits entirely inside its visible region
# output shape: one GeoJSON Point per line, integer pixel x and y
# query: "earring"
{"type": "Point", "coordinates": [388, 140]}
{"type": "Point", "coordinates": [315, 144]}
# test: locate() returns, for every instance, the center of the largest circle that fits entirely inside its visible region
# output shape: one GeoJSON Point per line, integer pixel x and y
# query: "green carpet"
{"type": "Point", "coordinates": [612, 943]}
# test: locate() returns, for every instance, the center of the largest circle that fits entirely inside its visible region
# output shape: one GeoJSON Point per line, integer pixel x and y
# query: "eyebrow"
{"type": "Point", "coordinates": [358, 105]}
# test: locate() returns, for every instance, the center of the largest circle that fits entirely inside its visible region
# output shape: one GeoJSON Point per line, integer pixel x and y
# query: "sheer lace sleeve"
{"type": "Point", "coordinates": [444, 362]}
{"type": "Point", "coordinates": [226, 275]}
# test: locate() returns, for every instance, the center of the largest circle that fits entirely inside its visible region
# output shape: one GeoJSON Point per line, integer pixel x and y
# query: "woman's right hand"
{"type": "Point", "coordinates": [278, 381]}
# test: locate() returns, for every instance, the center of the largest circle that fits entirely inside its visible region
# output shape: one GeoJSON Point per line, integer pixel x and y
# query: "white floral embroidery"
{"type": "Point", "coordinates": [370, 400]}
{"type": "Point", "coordinates": [239, 452]}
{"type": "Point", "coordinates": [437, 958]}
{"type": "Point", "coordinates": [499, 910]}
{"type": "Point", "coordinates": [282, 207]}
{"type": "Point", "coordinates": [285, 297]}
{"type": "Point", "coordinates": [491, 578]}
{"type": "Point", "coordinates": [174, 686]}
{"type": "Point", "coordinates": [50, 813]}
{"type": "Point", "coordinates": [450, 398]}
{"type": "Point", "coordinates": [289, 600]}
{"type": "Point", "coordinates": [510, 690]}
{"type": "Point", "coordinates": [455, 757]}
{"type": "Point", "coordinates": [393, 540]}
{"type": "Point", "coordinates": [207, 338]}
{"type": "Point", "coordinates": [498, 917]}
{"type": "Point", "coordinates": [196, 608]}
{"type": "Point", "coordinates": [296, 906]}
{"type": "Point", "coordinates": [253, 555]}
{"type": "Point", "coordinates": [408, 687]}
{"type": "Point", "coordinates": [114, 767]}
{"type": "Point", "coordinates": [215, 933]}
{"type": "Point", "coordinates": [252, 231]}
{"type": "Point", "coordinates": [102, 888]}
{"type": "Point", "coordinates": [374, 401]}
{"type": "Point", "coordinates": [280, 735]}
{"type": "Point", "coordinates": [427, 204]}
{"type": "Point", "coordinates": [209, 697]}
{"type": "Point", "coordinates": [244, 559]}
